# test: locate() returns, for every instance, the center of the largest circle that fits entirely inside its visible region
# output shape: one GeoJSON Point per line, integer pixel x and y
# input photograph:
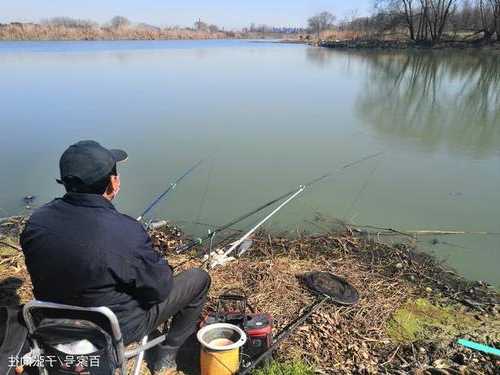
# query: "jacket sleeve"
{"type": "Point", "coordinates": [150, 274]}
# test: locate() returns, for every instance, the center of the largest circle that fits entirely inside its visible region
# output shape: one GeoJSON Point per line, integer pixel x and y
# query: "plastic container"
{"type": "Point", "coordinates": [220, 348]}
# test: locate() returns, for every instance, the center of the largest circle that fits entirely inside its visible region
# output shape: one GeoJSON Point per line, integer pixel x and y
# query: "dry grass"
{"type": "Point", "coordinates": [52, 32]}
{"type": "Point", "coordinates": [338, 339]}
{"type": "Point", "coordinates": [31, 31]}
{"type": "Point", "coordinates": [334, 332]}
{"type": "Point", "coordinates": [346, 339]}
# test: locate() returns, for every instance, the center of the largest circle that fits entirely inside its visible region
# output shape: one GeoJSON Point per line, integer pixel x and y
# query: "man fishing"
{"type": "Point", "coordinates": [81, 251]}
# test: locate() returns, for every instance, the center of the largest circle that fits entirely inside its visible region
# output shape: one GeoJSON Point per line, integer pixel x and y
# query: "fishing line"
{"type": "Point", "coordinates": [301, 190]}
{"type": "Point", "coordinates": [234, 222]}
{"type": "Point", "coordinates": [204, 195]}
{"type": "Point", "coordinates": [357, 198]}
{"type": "Point", "coordinates": [210, 236]}
{"type": "Point", "coordinates": [204, 224]}
{"type": "Point", "coordinates": [171, 187]}
{"type": "Point", "coordinates": [286, 197]}
{"type": "Point", "coordinates": [278, 199]}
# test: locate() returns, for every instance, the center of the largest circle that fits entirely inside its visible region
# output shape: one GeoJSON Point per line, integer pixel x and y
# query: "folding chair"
{"type": "Point", "coordinates": [34, 312]}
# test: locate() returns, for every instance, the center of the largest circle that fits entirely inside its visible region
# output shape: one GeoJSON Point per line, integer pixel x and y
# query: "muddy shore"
{"type": "Point", "coordinates": [403, 44]}
{"type": "Point", "coordinates": [379, 44]}
{"type": "Point", "coordinates": [412, 309]}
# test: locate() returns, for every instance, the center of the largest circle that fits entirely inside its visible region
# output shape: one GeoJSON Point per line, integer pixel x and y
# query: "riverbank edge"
{"type": "Point", "coordinates": [375, 44]}
{"type": "Point", "coordinates": [391, 281]}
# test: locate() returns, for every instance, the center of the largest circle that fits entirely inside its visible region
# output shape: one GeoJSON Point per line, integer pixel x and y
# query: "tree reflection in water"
{"type": "Point", "coordinates": [435, 99]}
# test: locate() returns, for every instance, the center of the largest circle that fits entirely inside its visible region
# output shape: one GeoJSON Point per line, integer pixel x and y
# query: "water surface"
{"type": "Point", "coordinates": [267, 117]}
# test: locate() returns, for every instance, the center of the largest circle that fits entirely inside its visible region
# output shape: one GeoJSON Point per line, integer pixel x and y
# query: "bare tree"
{"type": "Point", "coordinates": [119, 22]}
{"type": "Point", "coordinates": [320, 22]}
{"type": "Point", "coordinates": [426, 20]}
{"type": "Point", "coordinates": [200, 25]}
{"type": "Point", "coordinates": [496, 15]}
{"type": "Point", "coordinates": [396, 13]}
{"type": "Point", "coordinates": [409, 10]}
{"type": "Point", "coordinates": [490, 18]}
{"type": "Point", "coordinates": [69, 22]}
{"type": "Point", "coordinates": [436, 14]}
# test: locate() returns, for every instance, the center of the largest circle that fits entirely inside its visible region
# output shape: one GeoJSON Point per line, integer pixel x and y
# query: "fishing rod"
{"type": "Point", "coordinates": [155, 201]}
{"type": "Point", "coordinates": [290, 195]}
{"type": "Point", "coordinates": [260, 223]}
{"type": "Point", "coordinates": [199, 241]}
{"type": "Point", "coordinates": [171, 187]}
{"type": "Point", "coordinates": [293, 196]}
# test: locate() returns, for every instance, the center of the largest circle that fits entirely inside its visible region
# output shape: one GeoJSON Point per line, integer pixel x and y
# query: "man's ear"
{"type": "Point", "coordinates": [113, 186]}
{"type": "Point", "coordinates": [115, 182]}
{"type": "Point", "coordinates": [109, 190]}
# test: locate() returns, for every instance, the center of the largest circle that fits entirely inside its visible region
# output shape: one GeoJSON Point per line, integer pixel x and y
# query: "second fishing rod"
{"type": "Point", "coordinates": [287, 197]}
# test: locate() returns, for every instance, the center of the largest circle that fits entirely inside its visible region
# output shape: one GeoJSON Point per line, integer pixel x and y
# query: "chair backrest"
{"type": "Point", "coordinates": [36, 311]}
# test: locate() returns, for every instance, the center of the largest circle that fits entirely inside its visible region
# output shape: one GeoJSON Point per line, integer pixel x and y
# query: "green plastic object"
{"type": "Point", "coordinates": [480, 347]}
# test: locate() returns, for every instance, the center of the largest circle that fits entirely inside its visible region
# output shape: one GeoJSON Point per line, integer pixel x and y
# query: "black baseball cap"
{"type": "Point", "coordinates": [89, 161]}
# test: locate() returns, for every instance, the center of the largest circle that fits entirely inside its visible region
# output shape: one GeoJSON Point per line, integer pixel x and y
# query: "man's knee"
{"type": "Point", "coordinates": [202, 279]}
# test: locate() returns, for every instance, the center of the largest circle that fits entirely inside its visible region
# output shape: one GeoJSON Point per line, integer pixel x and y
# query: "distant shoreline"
{"type": "Point", "coordinates": [130, 40]}
{"type": "Point", "coordinates": [32, 32]}
{"type": "Point", "coordinates": [17, 32]}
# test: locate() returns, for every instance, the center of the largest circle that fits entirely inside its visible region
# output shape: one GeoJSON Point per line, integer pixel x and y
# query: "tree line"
{"type": "Point", "coordinates": [422, 21]}
{"type": "Point", "coordinates": [117, 22]}
{"type": "Point", "coordinates": [428, 20]}
{"type": "Point", "coordinates": [119, 27]}
{"type": "Point", "coordinates": [199, 25]}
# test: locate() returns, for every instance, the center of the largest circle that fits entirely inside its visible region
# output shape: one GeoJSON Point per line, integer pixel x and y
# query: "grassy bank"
{"type": "Point", "coordinates": [411, 311]}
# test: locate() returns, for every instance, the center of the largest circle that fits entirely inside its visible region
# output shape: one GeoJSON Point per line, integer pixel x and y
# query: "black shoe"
{"type": "Point", "coordinates": [161, 358]}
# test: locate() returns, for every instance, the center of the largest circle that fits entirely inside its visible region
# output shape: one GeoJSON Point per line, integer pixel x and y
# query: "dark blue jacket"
{"type": "Point", "coordinates": [80, 251]}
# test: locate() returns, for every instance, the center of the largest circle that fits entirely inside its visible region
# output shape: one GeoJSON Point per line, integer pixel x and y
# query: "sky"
{"type": "Point", "coordinates": [231, 14]}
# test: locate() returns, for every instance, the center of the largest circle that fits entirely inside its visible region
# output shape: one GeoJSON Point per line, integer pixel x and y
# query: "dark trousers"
{"type": "Point", "coordinates": [184, 303]}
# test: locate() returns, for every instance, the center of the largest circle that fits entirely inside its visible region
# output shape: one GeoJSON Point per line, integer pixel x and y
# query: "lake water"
{"type": "Point", "coordinates": [267, 117]}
